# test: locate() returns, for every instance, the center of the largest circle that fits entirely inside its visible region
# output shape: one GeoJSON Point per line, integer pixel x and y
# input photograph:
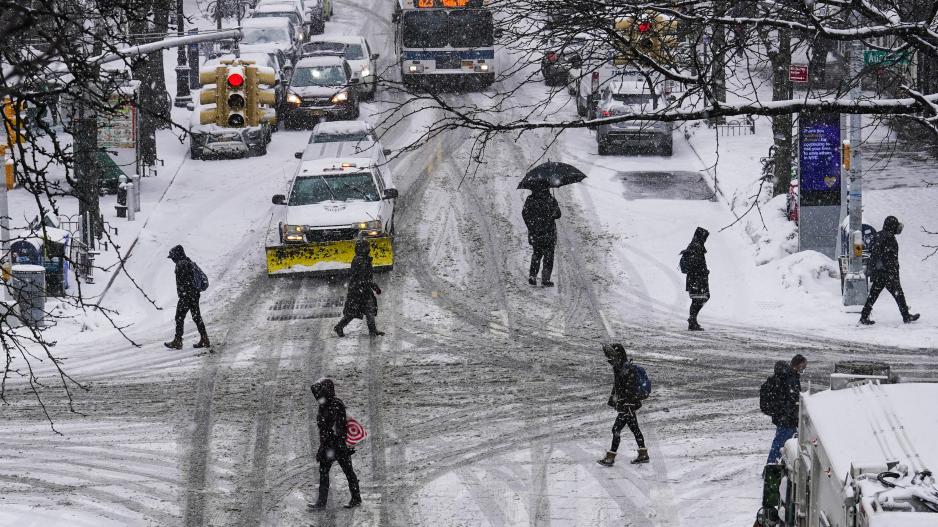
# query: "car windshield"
{"type": "Point", "coordinates": [318, 76]}
{"type": "Point", "coordinates": [274, 14]}
{"type": "Point", "coordinates": [341, 187]}
{"type": "Point", "coordinates": [264, 35]}
{"type": "Point", "coordinates": [335, 137]}
{"type": "Point", "coordinates": [314, 47]}
{"type": "Point", "coordinates": [354, 52]}
{"type": "Point", "coordinates": [636, 99]}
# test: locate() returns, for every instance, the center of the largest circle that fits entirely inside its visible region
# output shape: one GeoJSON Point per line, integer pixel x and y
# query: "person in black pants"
{"type": "Point", "coordinates": [694, 265]}
{"type": "Point", "coordinates": [331, 421]}
{"type": "Point", "coordinates": [540, 213]}
{"type": "Point", "coordinates": [188, 301]}
{"type": "Point", "coordinates": [360, 300]}
{"type": "Point", "coordinates": [626, 400]}
{"type": "Point", "coordinates": [884, 266]}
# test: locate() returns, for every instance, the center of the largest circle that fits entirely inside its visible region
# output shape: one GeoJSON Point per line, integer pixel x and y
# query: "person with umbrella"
{"type": "Point", "coordinates": [540, 213]}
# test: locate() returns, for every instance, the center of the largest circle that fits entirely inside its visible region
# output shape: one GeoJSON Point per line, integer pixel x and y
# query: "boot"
{"type": "Point", "coordinates": [547, 283]}
{"type": "Point", "coordinates": [338, 330]}
{"type": "Point", "coordinates": [865, 320]}
{"type": "Point", "coordinates": [202, 343]}
{"type": "Point", "coordinates": [692, 325]}
{"type": "Point", "coordinates": [642, 456]}
{"type": "Point", "coordinates": [318, 506]}
{"type": "Point", "coordinates": [609, 460]}
{"type": "Point", "coordinates": [532, 280]}
{"type": "Point", "coordinates": [356, 502]}
{"type": "Point", "coordinates": [376, 333]}
{"type": "Point", "coordinates": [175, 344]}
{"type": "Point", "coordinates": [910, 318]}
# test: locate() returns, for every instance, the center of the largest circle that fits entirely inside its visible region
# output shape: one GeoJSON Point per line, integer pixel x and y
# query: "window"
{"type": "Point", "coordinates": [470, 28]}
{"type": "Point", "coordinates": [308, 190]}
{"type": "Point", "coordinates": [319, 76]}
{"type": "Point", "coordinates": [264, 35]}
{"type": "Point", "coordinates": [425, 29]}
{"type": "Point", "coordinates": [637, 99]}
{"type": "Point", "coordinates": [346, 137]}
{"type": "Point", "coordinates": [465, 28]}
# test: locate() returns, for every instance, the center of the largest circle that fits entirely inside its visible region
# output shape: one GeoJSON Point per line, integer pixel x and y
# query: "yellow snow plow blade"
{"type": "Point", "coordinates": [325, 256]}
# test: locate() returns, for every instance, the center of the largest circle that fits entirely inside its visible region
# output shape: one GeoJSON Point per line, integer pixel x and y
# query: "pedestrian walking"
{"type": "Point", "coordinates": [332, 423]}
{"type": "Point", "coordinates": [779, 398]}
{"type": "Point", "coordinates": [190, 282]}
{"type": "Point", "coordinates": [626, 398]}
{"type": "Point", "coordinates": [884, 267]}
{"type": "Point", "coordinates": [540, 213]}
{"type": "Point", "coordinates": [694, 265]}
{"type": "Point", "coordinates": [360, 300]}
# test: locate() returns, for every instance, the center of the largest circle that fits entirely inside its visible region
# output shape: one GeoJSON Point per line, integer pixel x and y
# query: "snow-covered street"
{"type": "Point", "coordinates": [485, 402]}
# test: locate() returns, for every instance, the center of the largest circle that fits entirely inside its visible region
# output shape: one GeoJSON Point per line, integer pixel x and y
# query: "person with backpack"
{"type": "Point", "coordinates": [694, 264]}
{"type": "Point", "coordinates": [884, 267]}
{"type": "Point", "coordinates": [630, 387]}
{"type": "Point", "coordinates": [333, 444]}
{"type": "Point", "coordinates": [190, 283]}
{"type": "Point", "coordinates": [360, 301]}
{"type": "Point", "coordinates": [779, 398]}
{"type": "Point", "coordinates": [541, 212]}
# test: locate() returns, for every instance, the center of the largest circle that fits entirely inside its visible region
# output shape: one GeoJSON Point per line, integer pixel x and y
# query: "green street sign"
{"type": "Point", "coordinates": [877, 57]}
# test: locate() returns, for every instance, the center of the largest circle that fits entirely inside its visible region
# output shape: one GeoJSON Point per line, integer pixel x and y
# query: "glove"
{"type": "Point", "coordinates": [320, 455]}
{"type": "Point", "coordinates": [377, 290]}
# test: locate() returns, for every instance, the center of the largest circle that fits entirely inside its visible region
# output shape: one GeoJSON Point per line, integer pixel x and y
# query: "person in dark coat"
{"type": "Point", "coordinates": [331, 421]}
{"type": "Point", "coordinates": [694, 265]}
{"type": "Point", "coordinates": [540, 213]}
{"type": "Point", "coordinates": [785, 414]}
{"type": "Point", "coordinates": [188, 302]}
{"type": "Point", "coordinates": [360, 300]}
{"type": "Point", "coordinates": [626, 401]}
{"type": "Point", "coordinates": [884, 267]}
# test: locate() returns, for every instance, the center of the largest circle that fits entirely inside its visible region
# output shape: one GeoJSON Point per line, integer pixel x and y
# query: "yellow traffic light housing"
{"type": "Point", "coordinates": [213, 93]}
{"type": "Point", "coordinates": [261, 100]}
{"type": "Point", "coordinates": [647, 35]}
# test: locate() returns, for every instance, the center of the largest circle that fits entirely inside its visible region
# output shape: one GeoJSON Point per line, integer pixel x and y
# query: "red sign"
{"type": "Point", "coordinates": [798, 73]}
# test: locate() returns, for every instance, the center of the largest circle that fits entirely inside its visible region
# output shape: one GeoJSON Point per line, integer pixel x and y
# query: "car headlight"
{"type": "Point", "coordinates": [366, 72]}
{"type": "Point", "coordinates": [342, 96]}
{"type": "Point", "coordinates": [372, 225]}
{"type": "Point", "coordinates": [294, 99]}
{"type": "Point", "coordinates": [293, 233]}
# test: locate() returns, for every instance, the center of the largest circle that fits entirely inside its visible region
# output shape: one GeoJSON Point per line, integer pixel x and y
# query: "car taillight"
{"type": "Point", "coordinates": [551, 57]}
{"type": "Point", "coordinates": [606, 113]}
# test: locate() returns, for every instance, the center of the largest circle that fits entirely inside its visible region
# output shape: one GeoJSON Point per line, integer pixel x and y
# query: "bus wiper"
{"type": "Point", "coordinates": [326, 183]}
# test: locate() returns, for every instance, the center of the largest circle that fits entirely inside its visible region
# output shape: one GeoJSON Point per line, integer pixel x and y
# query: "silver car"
{"type": "Point", "coordinates": [631, 96]}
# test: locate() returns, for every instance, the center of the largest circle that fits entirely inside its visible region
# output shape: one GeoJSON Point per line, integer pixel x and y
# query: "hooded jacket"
{"type": "Point", "coordinates": [361, 300]}
{"type": "Point", "coordinates": [884, 253]}
{"type": "Point", "coordinates": [787, 398]}
{"type": "Point", "coordinates": [331, 421]}
{"type": "Point", "coordinates": [624, 395]}
{"type": "Point", "coordinates": [185, 275]}
{"type": "Point", "coordinates": [540, 212]}
{"type": "Point", "coordinates": [695, 262]}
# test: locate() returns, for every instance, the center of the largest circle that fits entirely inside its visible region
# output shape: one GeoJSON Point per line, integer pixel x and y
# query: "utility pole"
{"type": "Point", "coordinates": [855, 285]}
{"type": "Point", "coordinates": [183, 95]}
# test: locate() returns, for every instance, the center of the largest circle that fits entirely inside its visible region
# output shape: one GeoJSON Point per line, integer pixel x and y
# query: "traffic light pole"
{"type": "Point", "coordinates": [855, 282]}
{"type": "Point", "coordinates": [183, 95]}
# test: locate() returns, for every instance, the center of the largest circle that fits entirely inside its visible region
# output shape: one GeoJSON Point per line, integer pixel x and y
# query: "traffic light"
{"type": "Point", "coordinates": [261, 100]}
{"type": "Point", "coordinates": [236, 87]}
{"type": "Point", "coordinates": [644, 36]}
{"type": "Point", "coordinates": [213, 93]}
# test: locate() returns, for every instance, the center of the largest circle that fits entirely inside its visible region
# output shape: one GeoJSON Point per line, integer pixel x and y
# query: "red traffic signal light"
{"type": "Point", "coordinates": [645, 27]}
{"type": "Point", "coordinates": [235, 79]}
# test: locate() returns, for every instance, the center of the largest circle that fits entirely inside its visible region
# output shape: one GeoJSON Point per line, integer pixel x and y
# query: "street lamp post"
{"type": "Point", "coordinates": [183, 95]}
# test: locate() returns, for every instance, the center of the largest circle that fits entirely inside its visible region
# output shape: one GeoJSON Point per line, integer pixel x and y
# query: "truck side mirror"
{"type": "Point", "coordinates": [279, 199]}
{"type": "Point", "coordinates": [387, 151]}
{"type": "Point", "coordinates": [375, 56]}
{"type": "Point", "coordinates": [298, 155]}
{"type": "Point", "coordinates": [395, 17]}
{"type": "Point", "coordinates": [390, 193]}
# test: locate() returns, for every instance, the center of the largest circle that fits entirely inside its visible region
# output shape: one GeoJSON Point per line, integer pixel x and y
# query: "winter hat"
{"type": "Point", "coordinates": [362, 247]}
{"type": "Point", "coordinates": [798, 359]}
{"type": "Point", "coordinates": [615, 351]}
{"type": "Point", "coordinates": [323, 389]}
{"type": "Point", "coordinates": [176, 253]}
{"type": "Point", "coordinates": [701, 234]}
{"type": "Point", "coordinates": [892, 225]}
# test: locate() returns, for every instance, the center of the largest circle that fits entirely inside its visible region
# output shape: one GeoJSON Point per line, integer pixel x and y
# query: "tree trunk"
{"type": "Point", "coordinates": [718, 52]}
{"type": "Point", "coordinates": [143, 72]}
{"type": "Point", "coordinates": [155, 60]}
{"type": "Point", "coordinates": [781, 124]}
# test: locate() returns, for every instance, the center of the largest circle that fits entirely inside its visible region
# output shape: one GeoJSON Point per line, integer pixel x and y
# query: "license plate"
{"type": "Point", "coordinates": [314, 113]}
{"type": "Point", "coordinates": [468, 64]}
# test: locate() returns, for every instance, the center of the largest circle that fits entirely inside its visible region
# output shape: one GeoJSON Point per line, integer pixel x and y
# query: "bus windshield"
{"type": "Point", "coordinates": [424, 29]}
{"type": "Point", "coordinates": [463, 28]}
{"type": "Point", "coordinates": [470, 29]}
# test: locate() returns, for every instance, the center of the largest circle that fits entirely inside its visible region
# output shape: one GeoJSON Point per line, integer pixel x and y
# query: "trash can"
{"type": "Point", "coordinates": [28, 286]}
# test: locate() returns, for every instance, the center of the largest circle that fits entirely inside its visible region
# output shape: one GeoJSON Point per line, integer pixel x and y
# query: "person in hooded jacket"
{"type": "Point", "coordinates": [331, 421]}
{"type": "Point", "coordinates": [540, 213]}
{"type": "Point", "coordinates": [361, 301]}
{"type": "Point", "coordinates": [785, 415]}
{"type": "Point", "coordinates": [697, 284]}
{"type": "Point", "coordinates": [188, 301]}
{"type": "Point", "coordinates": [626, 401]}
{"type": "Point", "coordinates": [884, 267]}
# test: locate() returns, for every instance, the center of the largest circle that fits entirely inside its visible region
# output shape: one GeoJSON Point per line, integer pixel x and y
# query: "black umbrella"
{"type": "Point", "coordinates": [551, 174]}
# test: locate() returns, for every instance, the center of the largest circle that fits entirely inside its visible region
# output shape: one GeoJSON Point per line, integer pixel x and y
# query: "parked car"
{"type": "Point", "coordinates": [321, 87]}
{"type": "Point", "coordinates": [288, 10]}
{"type": "Point", "coordinates": [343, 138]}
{"type": "Point", "coordinates": [269, 35]}
{"type": "Point", "coordinates": [357, 52]}
{"type": "Point", "coordinates": [342, 131]}
{"type": "Point", "coordinates": [630, 95]}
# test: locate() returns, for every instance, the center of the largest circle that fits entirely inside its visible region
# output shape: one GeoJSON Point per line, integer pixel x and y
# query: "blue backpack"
{"type": "Point", "coordinates": [199, 279]}
{"type": "Point", "coordinates": [642, 382]}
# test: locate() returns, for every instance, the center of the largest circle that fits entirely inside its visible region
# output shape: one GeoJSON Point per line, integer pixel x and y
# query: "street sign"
{"type": "Point", "coordinates": [798, 73]}
{"type": "Point", "coordinates": [118, 128]}
{"type": "Point", "coordinates": [879, 57]}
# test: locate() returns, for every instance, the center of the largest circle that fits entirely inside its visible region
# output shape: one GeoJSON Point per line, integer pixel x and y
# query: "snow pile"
{"type": "Point", "coordinates": [808, 270]}
{"type": "Point", "coordinates": [772, 234]}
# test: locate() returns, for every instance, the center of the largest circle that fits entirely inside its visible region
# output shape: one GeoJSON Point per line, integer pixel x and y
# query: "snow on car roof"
{"type": "Point", "coordinates": [334, 166]}
{"type": "Point", "coordinates": [320, 60]}
{"type": "Point", "coordinates": [859, 424]}
{"type": "Point", "coordinates": [276, 8]}
{"type": "Point", "coordinates": [341, 127]}
{"type": "Point", "coordinates": [339, 39]}
{"type": "Point", "coordinates": [267, 21]}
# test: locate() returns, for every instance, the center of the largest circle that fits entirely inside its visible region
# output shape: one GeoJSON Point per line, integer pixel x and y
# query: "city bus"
{"type": "Point", "coordinates": [445, 43]}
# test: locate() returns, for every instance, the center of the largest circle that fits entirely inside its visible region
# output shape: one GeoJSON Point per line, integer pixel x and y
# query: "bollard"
{"type": "Point", "coordinates": [121, 206]}
{"type": "Point", "coordinates": [135, 179]}
{"type": "Point", "coordinates": [130, 208]}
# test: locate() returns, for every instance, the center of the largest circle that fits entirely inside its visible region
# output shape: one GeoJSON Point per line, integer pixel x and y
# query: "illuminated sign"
{"type": "Point", "coordinates": [429, 4]}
